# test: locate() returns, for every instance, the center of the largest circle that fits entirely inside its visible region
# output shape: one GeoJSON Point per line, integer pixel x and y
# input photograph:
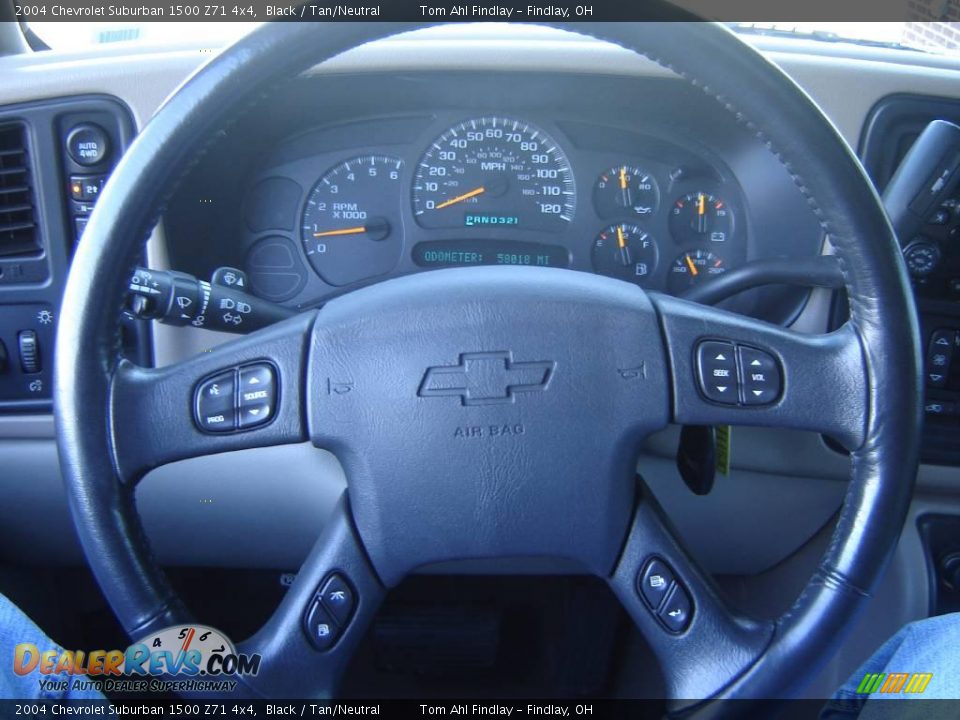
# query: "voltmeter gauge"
{"type": "Point", "coordinates": [699, 217]}
{"type": "Point", "coordinates": [626, 252]}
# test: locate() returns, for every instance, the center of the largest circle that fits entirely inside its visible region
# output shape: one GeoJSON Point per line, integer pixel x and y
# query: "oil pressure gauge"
{"type": "Point", "coordinates": [626, 191]}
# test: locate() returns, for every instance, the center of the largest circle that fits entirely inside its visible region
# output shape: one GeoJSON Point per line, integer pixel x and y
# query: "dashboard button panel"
{"type": "Point", "coordinates": [734, 374]}
{"type": "Point", "coordinates": [329, 613]}
{"type": "Point", "coordinates": [665, 595]}
{"type": "Point", "coordinates": [239, 398]}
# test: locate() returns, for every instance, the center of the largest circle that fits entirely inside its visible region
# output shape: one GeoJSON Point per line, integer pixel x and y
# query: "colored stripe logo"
{"type": "Point", "coordinates": [892, 683]}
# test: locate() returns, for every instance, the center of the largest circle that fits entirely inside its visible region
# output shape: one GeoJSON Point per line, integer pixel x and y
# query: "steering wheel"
{"type": "Point", "coordinates": [499, 412]}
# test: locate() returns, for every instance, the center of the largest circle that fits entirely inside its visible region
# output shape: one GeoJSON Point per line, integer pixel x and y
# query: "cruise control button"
{"type": "Point", "coordinates": [762, 381]}
{"type": "Point", "coordinates": [654, 583]}
{"type": "Point", "coordinates": [214, 402]}
{"type": "Point", "coordinates": [337, 597]}
{"type": "Point", "coordinates": [717, 367]}
{"type": "Point", "coordinates": [258, 394]}
{"type": "Point", "coordinates": [675, 614]}
{"type": "Point", "coordinates": [321, 627]}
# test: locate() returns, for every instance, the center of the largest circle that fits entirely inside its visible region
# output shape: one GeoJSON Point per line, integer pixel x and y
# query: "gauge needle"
{"type": "Point", "coordinates": [376, 228]}
{"type": "Point", "coordinates": [624, 189]}
{"type": "Point", "coordinates": [622, 242]}
{"type": "Point", "coordinates": [693, 268]}
{"type": "Point", "coordinates": [460, 198]}
{"type": "Point", "coordinates": [344, 231]}
{"type": "Point", "coordinates": [701, 213]}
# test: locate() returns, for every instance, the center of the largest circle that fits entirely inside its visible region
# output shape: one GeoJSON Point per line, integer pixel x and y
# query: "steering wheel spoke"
{"type": "Point", "coordinates": [730, 369]}
{"type": "Point", "coordinates": [678, 611]}
{"type": "Point", "coordinates": [307, 643]}
{"type": "Point", "coordinates": [244, 394]}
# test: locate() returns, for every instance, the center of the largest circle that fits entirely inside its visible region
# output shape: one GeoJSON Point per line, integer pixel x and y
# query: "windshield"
{"type": "Point", "coordinates": [941, 37]}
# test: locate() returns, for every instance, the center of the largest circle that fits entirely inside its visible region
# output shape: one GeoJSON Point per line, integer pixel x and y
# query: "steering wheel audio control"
{"type": "Point", "coordinates": [734, 374]}
{"type": "Point", "coordinates": [665, 595]}
{"type": "Point", "coordinates": [330, 612]}
{"type": "Point", "coordinates": [237, 399]}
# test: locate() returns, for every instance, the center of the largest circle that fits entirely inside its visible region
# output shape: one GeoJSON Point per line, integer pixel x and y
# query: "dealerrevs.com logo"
{"type": "Point", "coordinates": [182, 658]}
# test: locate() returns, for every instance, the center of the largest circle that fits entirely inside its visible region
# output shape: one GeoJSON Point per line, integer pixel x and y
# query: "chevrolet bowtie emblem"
{"type": "Point", "coordinates": [486, 378]}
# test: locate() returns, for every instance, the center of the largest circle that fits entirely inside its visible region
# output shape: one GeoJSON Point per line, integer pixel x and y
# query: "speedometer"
{"type": "Point", "coordinates": [494, 172]}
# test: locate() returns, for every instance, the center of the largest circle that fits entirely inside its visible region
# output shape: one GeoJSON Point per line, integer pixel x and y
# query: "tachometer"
{"type": "Point", "coordinates": [494, 172]}
{"type": "Point", "coordinates": [351, 222]}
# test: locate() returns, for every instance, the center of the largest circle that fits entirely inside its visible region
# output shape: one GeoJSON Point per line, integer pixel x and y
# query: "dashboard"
{"type": "Point", "coordinates": [657, 189]}
{"type": "Point", "coordinates": [499, 190]}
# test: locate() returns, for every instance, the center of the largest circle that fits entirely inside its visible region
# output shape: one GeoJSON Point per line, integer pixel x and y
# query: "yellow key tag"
{"type": "Point", "coordinates": [721, 435]}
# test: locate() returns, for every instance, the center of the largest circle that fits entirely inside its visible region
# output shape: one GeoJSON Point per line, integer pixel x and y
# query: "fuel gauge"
{"type": "Point", "coordinates": [626, 252]}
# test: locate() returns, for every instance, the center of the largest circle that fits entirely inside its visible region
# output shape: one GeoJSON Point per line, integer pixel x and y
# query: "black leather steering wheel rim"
{"type": "Point", "coordinates": [882, 325]}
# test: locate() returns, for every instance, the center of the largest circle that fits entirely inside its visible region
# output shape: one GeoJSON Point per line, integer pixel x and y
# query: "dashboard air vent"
{"type": "Point", "coordinates": [18, 227]}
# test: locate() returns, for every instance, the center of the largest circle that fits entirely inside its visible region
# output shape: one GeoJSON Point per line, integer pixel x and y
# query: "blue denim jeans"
{"type": "Point", "coordinates": [925, 646]}
{"type": "Point", "coordinates": [16, 628]}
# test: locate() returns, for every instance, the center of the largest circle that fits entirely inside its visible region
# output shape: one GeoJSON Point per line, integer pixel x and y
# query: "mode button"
{"type": "Point", "coordinates": [214, 402]}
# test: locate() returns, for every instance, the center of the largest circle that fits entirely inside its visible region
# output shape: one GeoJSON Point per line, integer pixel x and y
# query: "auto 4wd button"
{"type": "Point", "coordinates": [258, 394]}
{"type": "Point", "coordinates": [717, 366]}
{"type": "Point", "coordinates": [762, 381]}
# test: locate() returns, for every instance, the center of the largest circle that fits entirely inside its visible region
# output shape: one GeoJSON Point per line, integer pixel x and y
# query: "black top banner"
{"type": "Point", "coordinates": [35, 11]}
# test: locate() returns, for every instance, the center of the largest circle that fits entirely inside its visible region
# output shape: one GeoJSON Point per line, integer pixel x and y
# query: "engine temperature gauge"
{"type": "Point", "coordinates": [692, 268]}
{"type": "Point", "coordinates": [626, 252]}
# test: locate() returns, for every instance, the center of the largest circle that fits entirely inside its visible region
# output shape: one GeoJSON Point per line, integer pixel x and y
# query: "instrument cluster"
{"type": "Point", "coordinates": [495, 190]}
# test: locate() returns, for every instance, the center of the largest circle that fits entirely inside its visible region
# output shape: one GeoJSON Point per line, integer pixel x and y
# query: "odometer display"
{"type": "Point", "coordinates": [463, 253]}
{"type": "Point", "coordinates": [494, 168]}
